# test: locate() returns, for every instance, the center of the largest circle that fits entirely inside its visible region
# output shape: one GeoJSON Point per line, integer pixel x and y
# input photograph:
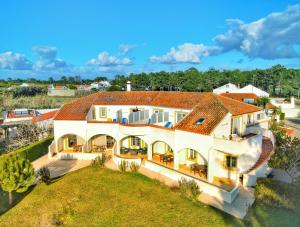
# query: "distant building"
{"type": "Point", "coordinates": [251, 89]}
{"type": "Point", "coordinates": [19, 115]}
{"type": "Point", "coordinates": [60, 90]}
{"type": "Point", "coordinates": [231, 88]}
{"type": "Point", "coordinates": [45, 120]}
{"type": "Point", "coordinates": [102, 85]}
{"type": "Point", "coordinates": [227, 88]}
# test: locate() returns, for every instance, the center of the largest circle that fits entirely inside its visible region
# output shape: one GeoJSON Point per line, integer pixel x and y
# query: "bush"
{"type": "Point", "coordinates": [278, 194]}
{"type": "Point", "coordinates": [43, 175]}
{"type": "Point", "coordinates": [34, 150]}
{"type": "Point", "coordinates": [123, 166]}
{"type": "Point", "coordinates": [282, 116]}
{"type": "Point", "coordinates": [189, 188]}
{"type": "Point", "coordinates": [134, 167]}
{"type": "Point", "coordinates": [100, 160]}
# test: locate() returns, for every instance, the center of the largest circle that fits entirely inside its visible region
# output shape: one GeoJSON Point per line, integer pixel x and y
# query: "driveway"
{"type": "Point", "coordinates": [59, 167]}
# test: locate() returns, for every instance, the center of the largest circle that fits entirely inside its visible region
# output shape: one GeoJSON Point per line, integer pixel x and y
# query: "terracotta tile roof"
{"type": "Point", "coordinates": [45, 116]}
{"type": "Point", "coordinates": [208, 105]}
{"type": "Point", "coordinates": [240, 96]}
{"type": "Point", "coordinates": [267, 151]}
{"type": "Point", "coordinates": [12, 114]}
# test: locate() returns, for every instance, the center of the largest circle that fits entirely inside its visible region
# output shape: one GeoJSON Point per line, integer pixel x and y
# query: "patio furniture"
{"type": "Point", "coordinates": [200, 169]}
{"type": "Point", "coordinates": [77, 148]}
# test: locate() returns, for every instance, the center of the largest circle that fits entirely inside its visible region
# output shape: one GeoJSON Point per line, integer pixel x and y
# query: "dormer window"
{"type": "Point", "coordinates": [103, 112]}
{"type": "Point", "coordinates": [200, 121]}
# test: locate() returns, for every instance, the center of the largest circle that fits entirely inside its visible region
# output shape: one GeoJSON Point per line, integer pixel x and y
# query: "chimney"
{"type": "Point", "coordinates": [128, 86]}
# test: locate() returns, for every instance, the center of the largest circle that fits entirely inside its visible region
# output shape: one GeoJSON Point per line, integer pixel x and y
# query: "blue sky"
{"type": "Point", "coordinates": [91, 38]}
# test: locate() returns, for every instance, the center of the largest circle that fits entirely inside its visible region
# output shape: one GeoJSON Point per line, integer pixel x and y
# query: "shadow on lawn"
{"type": "Point", "coordinates": [17, 197]}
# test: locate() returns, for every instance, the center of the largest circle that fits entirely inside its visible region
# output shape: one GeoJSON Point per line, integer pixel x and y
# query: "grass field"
{"type": "Point", "coordinates": [101, 197]}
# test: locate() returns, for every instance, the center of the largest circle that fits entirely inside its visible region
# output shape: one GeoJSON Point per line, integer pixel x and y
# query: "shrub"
{"type": "Point", "coordinates": [278, 194]}
{"type": "Point", "coordinates": [189, 188]}
{"type": "Point", "coordinates": [43, 175]}
{"type": "Point", "coordinates": [123, 166]}
{"type": "Point", "coordinates": [100, 160]}
{"type": "Point", "coordinates": [134, 167]}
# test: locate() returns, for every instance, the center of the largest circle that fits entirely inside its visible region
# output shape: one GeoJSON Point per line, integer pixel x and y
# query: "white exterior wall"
{"type": "Point", "coordinates": [112, 111]}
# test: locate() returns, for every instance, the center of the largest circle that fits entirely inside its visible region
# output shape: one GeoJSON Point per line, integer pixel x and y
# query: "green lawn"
{"type": "Point", "coordinates": [93, 196]}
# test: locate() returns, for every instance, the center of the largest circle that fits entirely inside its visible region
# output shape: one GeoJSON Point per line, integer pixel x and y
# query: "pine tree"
{"type": "Point", "coordinates": [16, 174]}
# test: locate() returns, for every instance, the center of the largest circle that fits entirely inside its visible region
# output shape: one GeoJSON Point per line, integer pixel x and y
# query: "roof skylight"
{"type": "Point", "coordinates": [200, 121]}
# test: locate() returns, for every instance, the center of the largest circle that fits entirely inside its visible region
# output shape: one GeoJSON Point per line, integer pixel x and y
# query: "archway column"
{"type": "Point", "coordinates": [149, 152]}
{"type": "Point", "coordinates": [210, 167]}
{"type": "Point", "coordinates": [176, 160]}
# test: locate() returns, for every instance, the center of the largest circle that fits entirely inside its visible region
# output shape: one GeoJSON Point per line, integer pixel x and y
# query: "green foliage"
{"type": "Point", "coordinates": [282, 116]}
{"type": "Point", "coordinates": [100, 161]}
{"type": "Point", "coordinates": [278, 80]}
{"type": "Point", "coordinates": [123, 166]}
{"type": "Point", "coordinates": [28, 91]}
{"type": "Point", "coordinates": [34, 150]}
{"type": "Point", "coordinates": [43, 175]}
{"type": "Point", "coordinates": [263, 102]}
{"type": "Point", "coordinates": [287, 152]}
{"type": "Point", "coordinates": [189, 188]}
{"type": "Point", "coordinates": [134, 167]}
{"type": "Point", "coordinates": [16, 174]}
{"type": "Point", "coordinates": [278, 194]}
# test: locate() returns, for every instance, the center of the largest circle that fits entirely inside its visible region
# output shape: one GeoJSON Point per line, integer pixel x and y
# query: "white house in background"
{"type": "Point", "coordinates": [227, 88]}
{"type": "Point", "coordinates": [251, 89]}
{"type": "Point", "coordinates": [281, 103]}
{"type": "Point", "coordinates": [19, 115]}
{"type": "Point", "coordinates": [217, 141]}
{"type": "Point", "coordinates": [100, 85]}
{"type": "Point", "coordinates": [24, 85]}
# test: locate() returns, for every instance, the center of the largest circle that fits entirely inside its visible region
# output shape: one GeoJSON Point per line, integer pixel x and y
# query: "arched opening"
{"type": "Point", "coordinates": [192, 163]}
{"type": "Point", "coordinates": [101, 143]}
{"type": "Point", "coordinates": [133, 146]}
{"type": "Point", "coordinates": [70, 143]}
{"type": "Point", "coordinates": [162, 153]}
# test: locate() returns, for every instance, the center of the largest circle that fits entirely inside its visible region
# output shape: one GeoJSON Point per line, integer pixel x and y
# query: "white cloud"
{"type": "Point", "coordinates": [125, 48]}
{"type": "Point", "coordinates": [105, 59]}
{"type": "Point", "coordinates": [47, 58]}
{"type": "Point", "coordinates": [271, 37]}
{"type": "Point", "coordinates": [186, 53]}
{"type": "Point", "coordinates": [14, 61]}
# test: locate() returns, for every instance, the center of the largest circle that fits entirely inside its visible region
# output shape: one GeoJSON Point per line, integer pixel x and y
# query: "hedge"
{"type": "Point", "coordinates": [34, 150]}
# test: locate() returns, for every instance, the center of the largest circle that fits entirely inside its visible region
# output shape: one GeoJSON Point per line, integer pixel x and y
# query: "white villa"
{"type": "Point", "coordinates": [249, 89]}
{"type": "Point", "coordinates": [219, 142]}
{"type": "Point", "coordinates": [226, 88]}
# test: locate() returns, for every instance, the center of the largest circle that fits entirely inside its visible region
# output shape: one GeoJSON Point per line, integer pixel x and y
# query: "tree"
{"type": "Point", "coordinates": [16, 174]}
{"type": "Point", "coordinates": [263, 102]}
{"type": "Point", "coordinates": [287, 153]}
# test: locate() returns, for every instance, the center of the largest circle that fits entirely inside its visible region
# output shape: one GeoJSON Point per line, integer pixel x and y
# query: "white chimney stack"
{"type": "Point", "coordinates": [128, 86]}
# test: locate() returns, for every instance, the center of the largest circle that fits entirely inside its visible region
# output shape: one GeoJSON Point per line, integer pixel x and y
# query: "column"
{"type": "Point", "coordinates": [176, 160]}
{"type": "Point", "coordinates": [210, 167]}
{"type": "Point", "coordinates": [149, 152]}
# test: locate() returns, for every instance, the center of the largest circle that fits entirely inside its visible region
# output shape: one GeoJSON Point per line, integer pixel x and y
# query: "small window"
{"type": "Point", "coordinates": [103, 112]}
{"type": "Point", "coordinates": [180, 116]}
{"type": "Point", "coordinates": [94, 113]}
{"type": "Point", "coordinates": [191, 154]}
{"type": "Point", "coordinates": [200, 121]}
{"type": "Point", "coordinates": [260, 116]}
{"type": "Point", "coordinates": [135, 141]}
{"type": "Point", "coordinates": [231, 162]}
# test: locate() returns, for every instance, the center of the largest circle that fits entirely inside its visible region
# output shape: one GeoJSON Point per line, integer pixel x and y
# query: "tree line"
{"type": "Point", "coordinates": [277, 80]}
